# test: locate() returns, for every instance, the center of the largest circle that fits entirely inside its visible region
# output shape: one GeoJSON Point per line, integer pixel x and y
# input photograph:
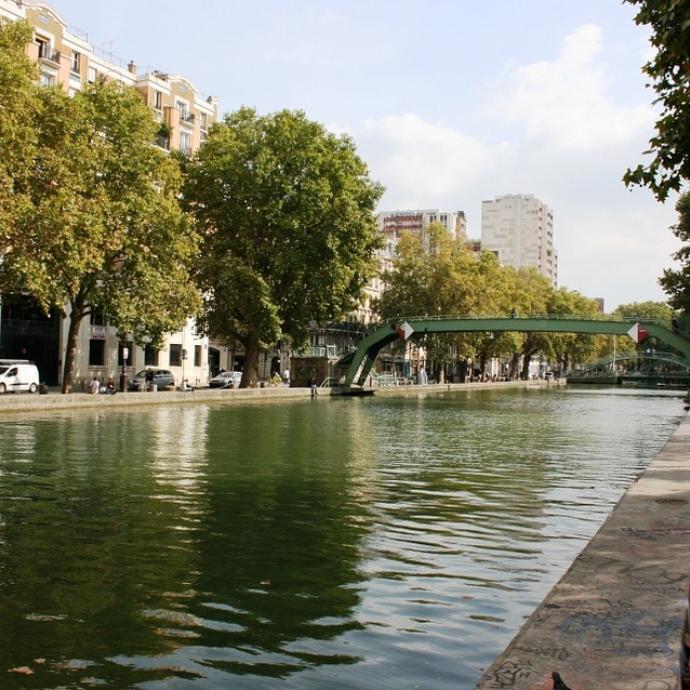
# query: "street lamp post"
{"type": "Point", "coordinates": [123, 375]}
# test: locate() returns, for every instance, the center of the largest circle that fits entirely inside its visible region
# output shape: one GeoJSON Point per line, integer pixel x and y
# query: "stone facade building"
{"type": "Point", "coordinates": [66, 58]}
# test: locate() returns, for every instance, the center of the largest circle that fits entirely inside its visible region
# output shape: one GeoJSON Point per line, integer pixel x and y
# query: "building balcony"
{"type": "Point", "coordinates": [187, 119]}
{"type": "Point", "coordinates": [51, 56]}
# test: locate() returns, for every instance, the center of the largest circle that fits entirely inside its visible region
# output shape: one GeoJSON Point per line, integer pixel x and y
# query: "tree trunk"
{"type": "Point", "coordinates": [75, 318]}
{"type": "Point", "coordinates": [527, 358]}
{"type": "Point", "coordinates": [482, 363]}
{"type": "Point", "coordinates": [251, 362]}
{"type": "Point", "coordinates": [514, 364]}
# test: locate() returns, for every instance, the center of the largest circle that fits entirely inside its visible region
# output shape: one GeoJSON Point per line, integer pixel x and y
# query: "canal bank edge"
{"type": "Point", "coordinates": [16, 402]}
{"type": "Point", "coordinates": [616, 620]}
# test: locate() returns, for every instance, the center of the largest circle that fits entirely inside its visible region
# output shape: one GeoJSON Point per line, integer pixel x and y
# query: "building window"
{"type": "Point", "coordinates": [76, 59]}
{"type": "Point", "coordinates": [130, 354]}
{"type": "Point", "coordinates": [150, 356]}
{"type": "Point", "coordinates": [185, 142]}
{"type": "Point", "coordinates": [204, 121]}
{"type": "Point", "coordinates": [184, 113]}
{"type": "Point", "coordinates": [93, 75]}
{"type": "Point", "coordinates": [175, 355]}
{"type": "Point", "coordinates": [197, 355]}
{"type": "Point", "coordinates": [158, 100]}
{"type": "Point", "coordinates": [96, 353]}
{"type": "Point", "coordinates": [43, 47]}
{"type": "Point", "coordinates": [47, 79]}
{"type": "Point", "coordinates": [97, 317]}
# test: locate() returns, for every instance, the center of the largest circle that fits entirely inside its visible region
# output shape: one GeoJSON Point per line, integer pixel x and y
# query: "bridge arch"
{"type": "Point", "coordinates": [362, 360]}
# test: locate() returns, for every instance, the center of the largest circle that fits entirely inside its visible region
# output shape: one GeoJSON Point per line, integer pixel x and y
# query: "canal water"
{"type": "Point", "coordinates": [339, 543]}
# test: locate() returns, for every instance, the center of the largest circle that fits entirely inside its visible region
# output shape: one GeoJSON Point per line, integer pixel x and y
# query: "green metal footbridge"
{"type": "Point", "coordinates": [361, 361]}
{"type": "Point", "coordinates": [641, 369]}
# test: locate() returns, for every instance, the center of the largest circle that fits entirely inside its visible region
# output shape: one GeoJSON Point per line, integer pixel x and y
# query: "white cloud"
{"type": "Point", "coordinates": [566, 141]}
{"type": "Point", "coordinates": [564, 103]}
{"type": "Point", "coordinates": [426, 164]}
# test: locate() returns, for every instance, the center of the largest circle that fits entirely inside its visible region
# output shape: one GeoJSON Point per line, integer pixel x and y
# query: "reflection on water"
{"type": "Point", "coordinates": [379, 543]}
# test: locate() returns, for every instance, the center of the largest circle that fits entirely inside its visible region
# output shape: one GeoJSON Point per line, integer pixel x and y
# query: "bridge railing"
{"type": "Point", "coordinates": [644, 358]}
{"type": "Point", "coordinates": [374, 326]}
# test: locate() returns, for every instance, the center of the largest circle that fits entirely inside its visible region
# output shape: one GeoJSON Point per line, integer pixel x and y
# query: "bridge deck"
{"type": "Point", "coordinates": [369, 347]}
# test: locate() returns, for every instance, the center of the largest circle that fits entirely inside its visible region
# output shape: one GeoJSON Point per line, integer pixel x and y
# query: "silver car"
{"type": "Point", "coordinates": [226, 379]}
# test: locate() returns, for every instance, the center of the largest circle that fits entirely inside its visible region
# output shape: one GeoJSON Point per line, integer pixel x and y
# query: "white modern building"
{"type": "Point", "coordinates": [519, 229]}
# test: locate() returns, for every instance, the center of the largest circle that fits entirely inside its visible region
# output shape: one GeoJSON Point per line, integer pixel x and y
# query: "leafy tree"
{"type": "Point", "coordinates": [676, 283]}
{"type": "Point", "coordinates": [434, 274]}
{"type": "Point", "coordinates": [646, 310]}
{"type": "Point", "coordinates": [668, 70]}
{"type": "Point", "coordinates": [17, 135]}
{"type": "Point", "coordinates": [661, 311]}
{"type": "Point", "coordinates": [104, 227]}
{"type": "Point", "coordinates": [569, 348]}
{"type": "Point", "coordinates": [530, 291]}
{"type": "Point", "coordinates": [289, 233]}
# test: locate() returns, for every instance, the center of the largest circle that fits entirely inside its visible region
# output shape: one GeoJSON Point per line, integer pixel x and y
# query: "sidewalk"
{"type": "Point", "coordinates": [617, 618]}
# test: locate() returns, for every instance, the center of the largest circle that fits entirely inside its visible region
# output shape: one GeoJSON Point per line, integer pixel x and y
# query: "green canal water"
{"type": "Point", "coordinates": [338, 543]}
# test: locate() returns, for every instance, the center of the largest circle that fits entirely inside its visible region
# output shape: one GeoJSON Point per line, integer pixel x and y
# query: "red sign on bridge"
{"type": "Point", "coordinates": [638, 333]}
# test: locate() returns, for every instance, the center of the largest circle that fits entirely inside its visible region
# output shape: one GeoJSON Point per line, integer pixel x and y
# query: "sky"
{"type": "Point", "coordinates": [450, 102]}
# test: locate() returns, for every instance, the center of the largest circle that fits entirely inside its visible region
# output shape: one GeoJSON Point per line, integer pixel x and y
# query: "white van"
{"type": "Point", "coordinates": [18, 375]}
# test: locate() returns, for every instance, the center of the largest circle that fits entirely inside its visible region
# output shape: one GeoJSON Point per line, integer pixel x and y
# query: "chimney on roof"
{"type": "Point", "coordinates": [131, 67]}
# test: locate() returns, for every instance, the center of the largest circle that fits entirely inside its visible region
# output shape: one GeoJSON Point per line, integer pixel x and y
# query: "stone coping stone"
{"type": "Point", "coordinates": [24, 402]}
{"type": "Point", "coordinates": [414, 389]}
{"type": "Point", "coordinates": [616, 620]}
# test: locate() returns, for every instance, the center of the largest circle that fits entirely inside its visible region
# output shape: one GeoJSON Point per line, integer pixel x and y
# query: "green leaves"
{"type": "Point", "coordinates": [669, 21]}
{"type": "Point", "coordinates": [287, 216]}
{"type": "Point", "coordinates": [100, 224]}
{"type": "Point", "coordinates": [676, 283]}
{"type": "Point", "coordinates": [432, 274]}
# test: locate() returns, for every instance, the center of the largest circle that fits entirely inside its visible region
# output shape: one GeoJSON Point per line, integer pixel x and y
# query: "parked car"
{"type": "Point", "coordinates": [226, 379]}
{"type": "Point", "coordinates": [18, 375]}
{"type": "Point", "coordinates": [160, 377]}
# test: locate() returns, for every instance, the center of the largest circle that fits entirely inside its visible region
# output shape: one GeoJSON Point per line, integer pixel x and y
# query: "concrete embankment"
{"type": "Point", "coordinates": [17, 402]}
{"type": "Point", "coordinates": [617, 619]}
{"type": "Point", "coordinates": [458, 387]}
{"type": "Point", "coordinates": [54, 401]}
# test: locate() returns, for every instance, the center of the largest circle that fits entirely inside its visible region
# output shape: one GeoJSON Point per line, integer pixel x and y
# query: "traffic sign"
{"type": "Point", "coordinates": [404, 330]}
{"type": "Point", "coordinates": [638, 333]}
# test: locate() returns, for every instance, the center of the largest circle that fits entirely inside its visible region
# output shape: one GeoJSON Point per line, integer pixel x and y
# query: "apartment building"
{"type": "Point", "coordinates": [184, 114]}
{"type": "Point", "coordinates": [394, 223]}
{"type": "Point", "coordinates": [66, 58]}
{"type": "Point", "coordinates": [519, 229]}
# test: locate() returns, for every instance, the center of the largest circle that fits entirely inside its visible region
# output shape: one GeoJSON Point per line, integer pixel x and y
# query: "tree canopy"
{"type": "Point", "coordinates": [286, 210]}
{"type": "Point", "coordinates": [676, 282]}
{"type": "Point", "coordinates": [433, 274]}
{"type": "Point", "coordinates": [669, 168]}
{"type": "Point", "coordinates": [101, 226]}
{"type": "Point", "coordinates": [17, 135]}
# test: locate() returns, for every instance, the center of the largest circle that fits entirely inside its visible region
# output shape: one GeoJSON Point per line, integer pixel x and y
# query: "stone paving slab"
{"type": "Point", "coordinates": [616, 619]}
